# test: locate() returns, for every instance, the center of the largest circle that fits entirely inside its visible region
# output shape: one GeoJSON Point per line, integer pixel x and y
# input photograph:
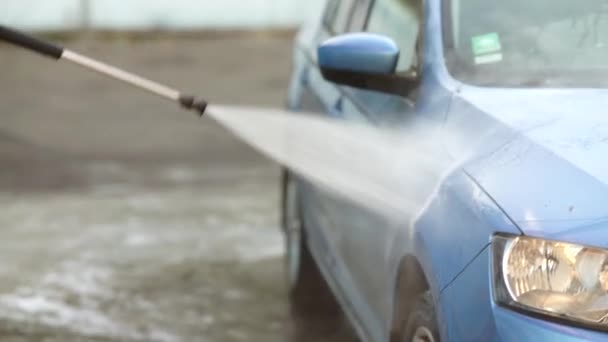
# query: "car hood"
{"type": "Point", "coordinates": [542, 155]}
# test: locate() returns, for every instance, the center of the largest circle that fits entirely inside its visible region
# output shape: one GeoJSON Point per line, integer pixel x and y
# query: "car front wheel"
{"type": "Point", "coordinates": [421, 324]}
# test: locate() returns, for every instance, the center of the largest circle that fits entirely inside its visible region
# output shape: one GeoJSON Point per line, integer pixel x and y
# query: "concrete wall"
{"type": "Point", "coordinates": [146, 14]}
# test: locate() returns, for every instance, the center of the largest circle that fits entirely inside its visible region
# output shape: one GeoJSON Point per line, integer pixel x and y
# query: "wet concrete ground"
{"type": "Point", "coordinates": [124, 219]}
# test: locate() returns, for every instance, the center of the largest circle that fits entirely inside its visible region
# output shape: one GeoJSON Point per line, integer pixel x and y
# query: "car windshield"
{"type": "Point", "coordinates": [528, 43]}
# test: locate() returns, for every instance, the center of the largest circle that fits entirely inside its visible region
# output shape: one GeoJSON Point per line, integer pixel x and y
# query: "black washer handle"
{"type": "Point", "coordinates": [30, 43]}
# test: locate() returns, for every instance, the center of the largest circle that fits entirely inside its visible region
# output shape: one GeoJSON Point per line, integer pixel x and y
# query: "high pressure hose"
{"type": "Point", "coordinates": [58, 53]}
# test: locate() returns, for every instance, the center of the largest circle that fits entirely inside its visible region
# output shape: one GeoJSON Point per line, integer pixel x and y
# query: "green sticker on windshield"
{"type": "Point", "coordinates": [485, 44]}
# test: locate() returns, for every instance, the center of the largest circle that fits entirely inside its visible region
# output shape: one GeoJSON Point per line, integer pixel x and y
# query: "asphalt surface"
{"type": "Point", "coordinates": [125, 219]}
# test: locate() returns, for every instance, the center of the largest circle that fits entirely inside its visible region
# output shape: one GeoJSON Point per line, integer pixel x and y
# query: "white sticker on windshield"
{"type": "Point", "coordinates": [487, 59]}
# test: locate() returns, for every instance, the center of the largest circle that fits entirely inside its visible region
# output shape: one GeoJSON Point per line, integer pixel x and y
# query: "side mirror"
{"type": "Point", "coordinates": [366, 61]}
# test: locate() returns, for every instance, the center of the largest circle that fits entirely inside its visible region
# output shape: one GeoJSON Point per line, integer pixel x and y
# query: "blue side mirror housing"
{"type": "Point", "coordinates": [359, 52]}
{"type": "Point", "coordinates": [365, 61]}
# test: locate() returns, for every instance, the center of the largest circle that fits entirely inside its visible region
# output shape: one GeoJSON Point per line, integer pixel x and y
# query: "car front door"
{"type": "Point", "coordinates": [363, 236]}
{"type": "Point", "coordinates": [326, 98]}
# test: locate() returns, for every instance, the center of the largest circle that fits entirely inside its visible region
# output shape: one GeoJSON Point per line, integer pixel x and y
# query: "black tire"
{"type": "Point", "coordinates": [421, 324]}
{"type": "Point", "coordinates": [309, 294]}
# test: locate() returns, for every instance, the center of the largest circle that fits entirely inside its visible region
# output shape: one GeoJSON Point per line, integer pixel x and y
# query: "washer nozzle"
{"type": "Point", "coordinates": [190, 102]}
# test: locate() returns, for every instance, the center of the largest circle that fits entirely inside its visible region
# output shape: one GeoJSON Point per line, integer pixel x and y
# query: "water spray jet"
{"type": "Point", "coordinates": [358, 162]}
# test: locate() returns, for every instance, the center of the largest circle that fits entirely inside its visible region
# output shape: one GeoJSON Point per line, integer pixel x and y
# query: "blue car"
{"type": "Point", "coordinates": [513, 245]}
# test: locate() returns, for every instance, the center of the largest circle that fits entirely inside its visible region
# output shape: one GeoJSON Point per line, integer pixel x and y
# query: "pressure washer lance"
{"type": "Point", "coordinates": [58, 53]}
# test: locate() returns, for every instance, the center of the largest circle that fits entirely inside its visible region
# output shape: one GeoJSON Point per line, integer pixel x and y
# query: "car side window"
{"type": "Point", "coordinates": [337, 15]}
{"type": "Point", "coordinates": [400, 20]}
{"type": "Point", "coordinates": [331, 10]}
{"type": "Point", "coordinates": [359, 15]}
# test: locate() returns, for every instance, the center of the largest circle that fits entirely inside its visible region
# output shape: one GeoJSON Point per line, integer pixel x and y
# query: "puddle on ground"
{"type": "Point", "coordinates": [200, 260]}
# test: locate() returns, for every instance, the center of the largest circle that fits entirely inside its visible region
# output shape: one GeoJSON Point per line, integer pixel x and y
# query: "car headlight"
{"type": "Point", "coordinates": [552, 278]}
